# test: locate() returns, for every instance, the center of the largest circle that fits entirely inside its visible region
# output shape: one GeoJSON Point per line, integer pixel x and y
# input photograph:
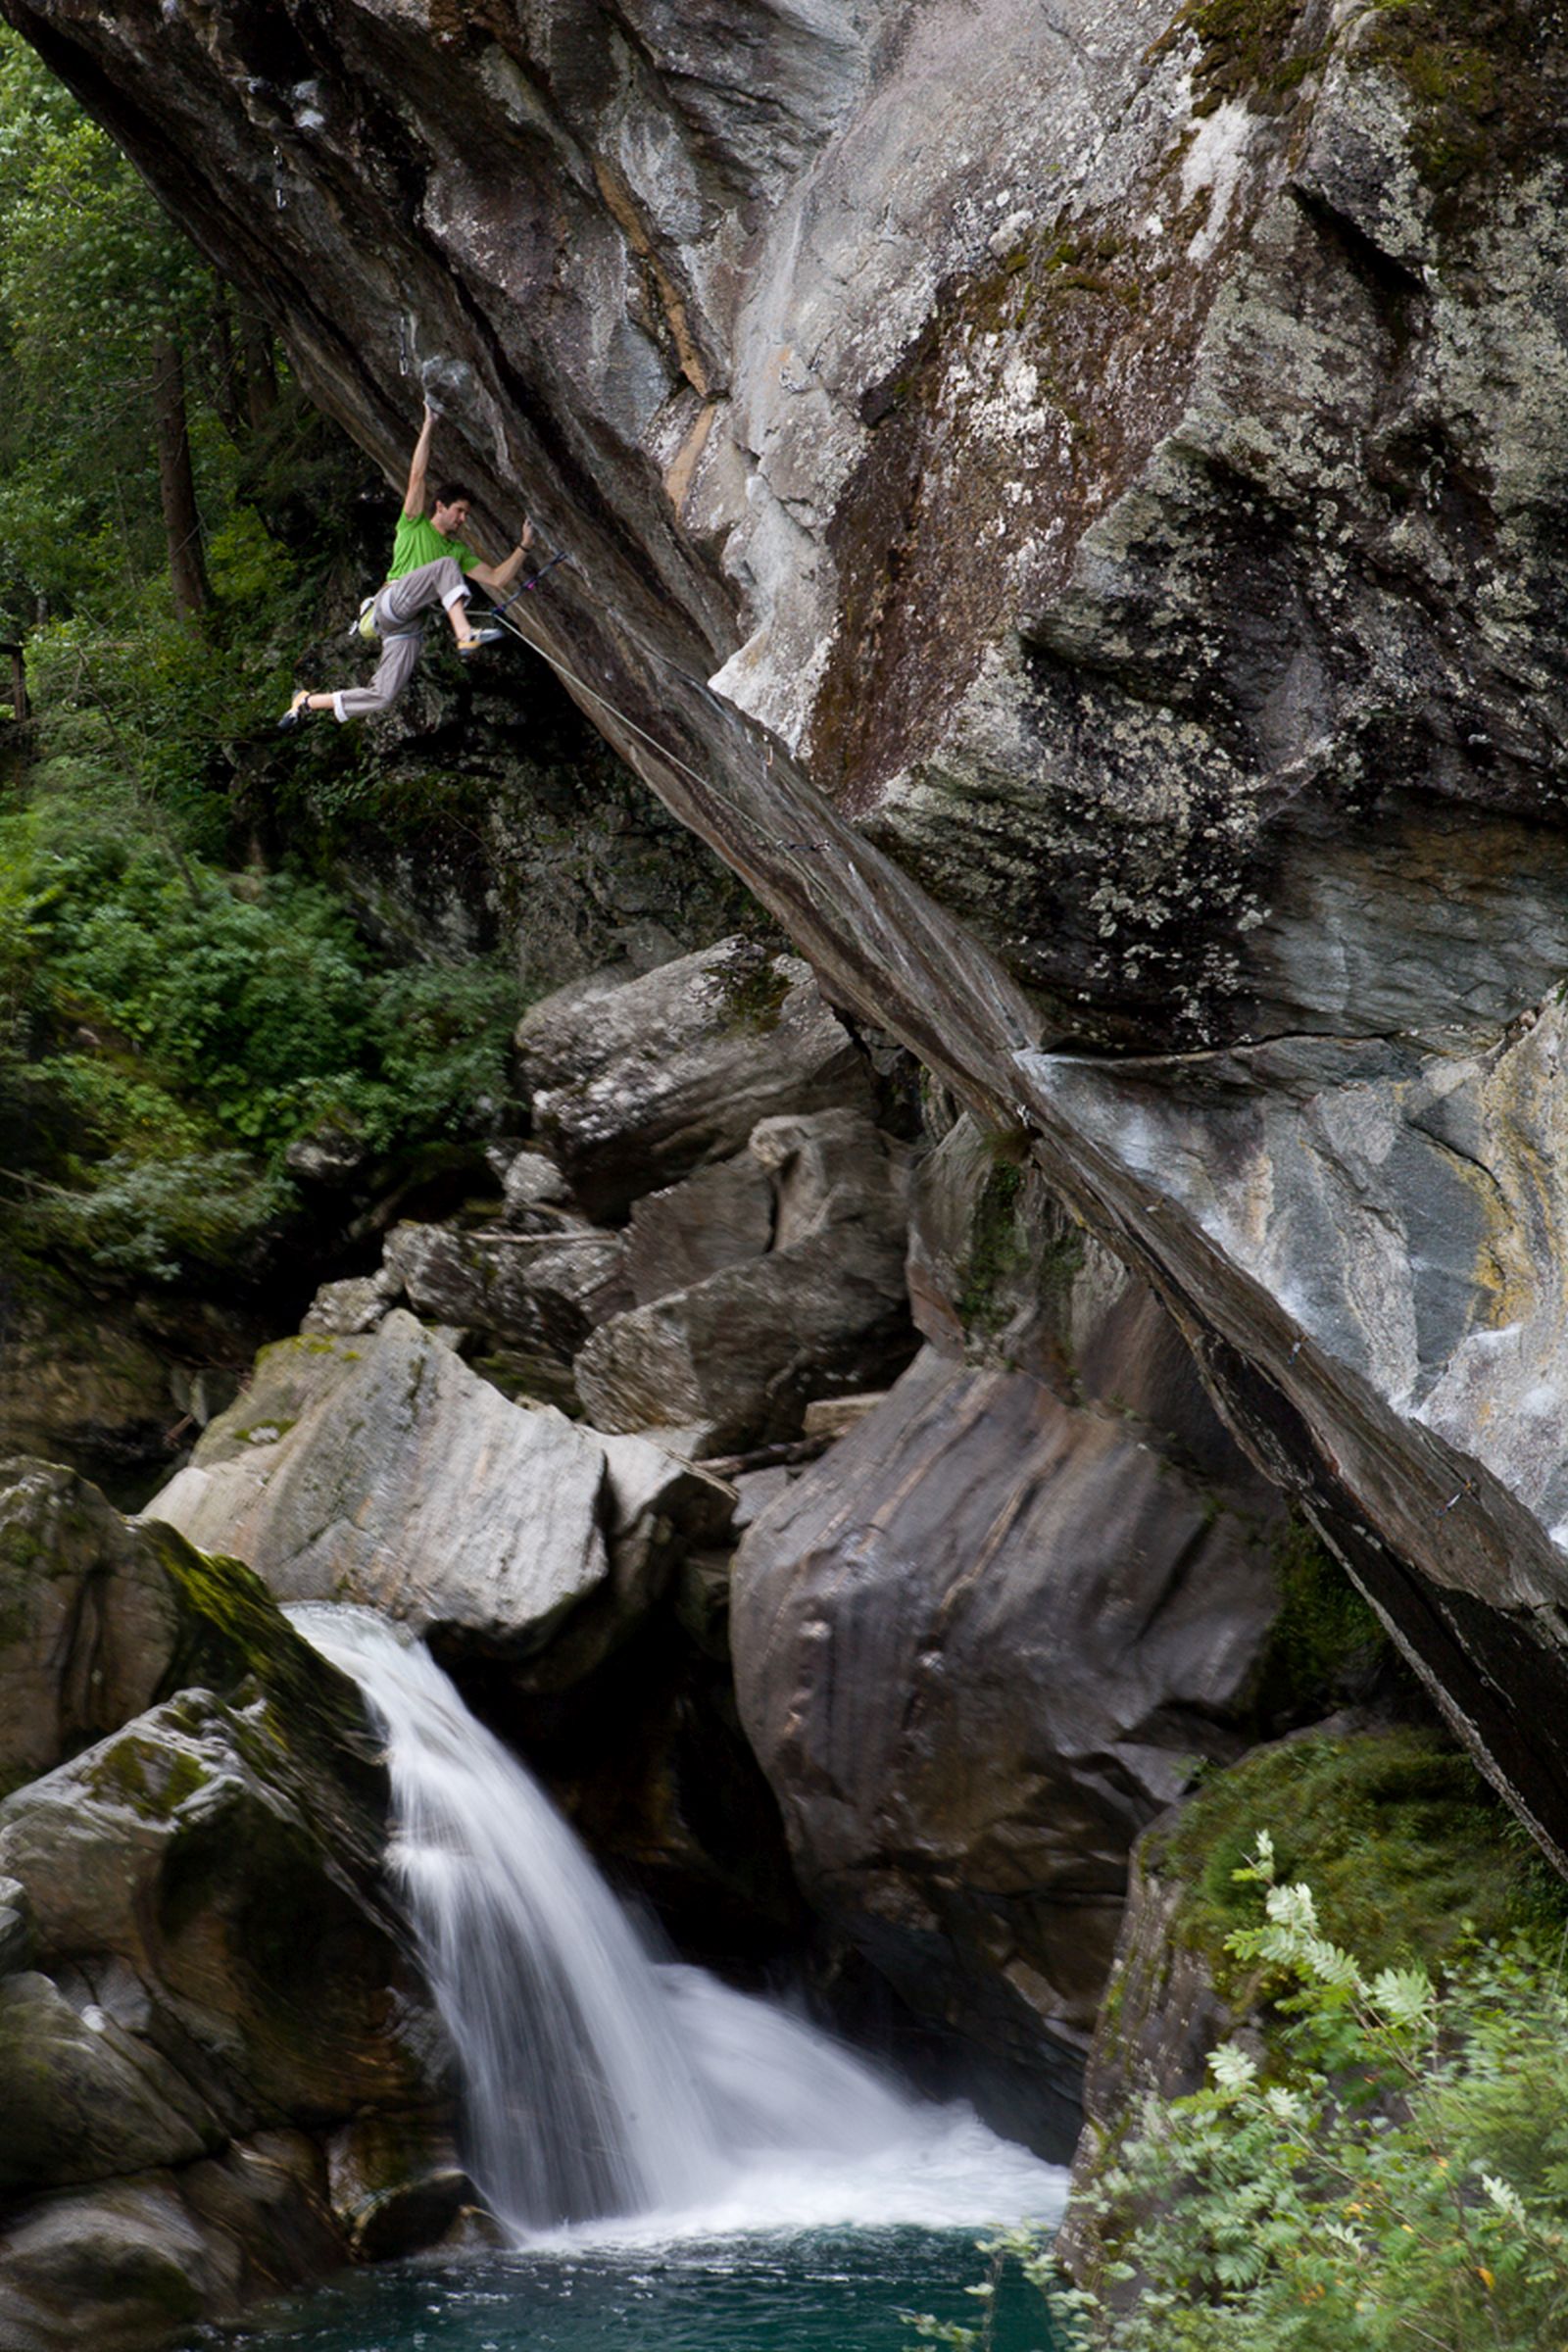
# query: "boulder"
{"type": "Point", "coordinates": [198, 1966]}
{"type": "Point", "coordinates": [741, 1352]}
{"type": "Point", "coordinates": [346, 1310]}
{"type": "Point", "coordinates": [382, 1470]}
{"type": "Point", "coordinates": [993, 1257]}
{"type": "Point", "coordinates": [125, 2267]}
{"type": "Point", "coordinates": [79, 1383]}
{"type": "Point", "coordinates": [84, 2098]}
{"type": "Point", "coordinates": [101, 1617]}
{"type": "Point", "coordinates": [230, 1865]}
{"type": "Point", "coordinates": [722, 1217]}
{"type": "Point", "coordinates": [396, 2185]}
{"type": "Point", "coordinates": [543, 1290]}
{"type": "Point", "coordinates": [89, 1620]}
{"type": "Point", "coordinates": [535, 1193]}
{"type": "Point", "coordinates": [977, 1647]}
{"type": "Point", "coordinates": [640, 1085]}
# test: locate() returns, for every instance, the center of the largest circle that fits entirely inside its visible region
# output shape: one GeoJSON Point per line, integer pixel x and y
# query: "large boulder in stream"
{"type": "Point", "coordinates": [202, 1983]}
{"type": "Point", "coordinates": [381, 1470]}
{"type": "Point", "coordinates": [977, 1647]}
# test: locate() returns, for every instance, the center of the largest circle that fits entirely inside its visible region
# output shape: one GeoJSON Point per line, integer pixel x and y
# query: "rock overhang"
{"type": "Point", "coordinates": [1262, 739]}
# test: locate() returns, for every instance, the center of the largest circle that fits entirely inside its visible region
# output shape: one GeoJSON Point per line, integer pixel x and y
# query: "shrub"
{"type": "Point", "coordinates": [166, 1030]}
{"type": "Point", "coordinates": [1388, 2170]}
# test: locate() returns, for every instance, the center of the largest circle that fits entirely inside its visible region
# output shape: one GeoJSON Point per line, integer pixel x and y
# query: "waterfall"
{"type": "Point", "coordinates": [599, 2083]}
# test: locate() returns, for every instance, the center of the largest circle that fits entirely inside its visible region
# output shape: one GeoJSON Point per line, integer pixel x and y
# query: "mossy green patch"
{"type": "Point", "coordinates": [150, 1777]}
{"type": "Point", "coordinates": [233, 1633]}
{"type": "Point", "coordinates": [1486, 83]}
{"type": "Point", "coordinates": [1404, 1846]}
{"type": "Point", "coordinates": [997, 1252]}
{"type": "Point", "coordinates": [754, 991]}
{"type": "Point", "coordinates": [1258, 51]}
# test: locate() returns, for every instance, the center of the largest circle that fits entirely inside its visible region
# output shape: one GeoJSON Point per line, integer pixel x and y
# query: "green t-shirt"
{"type": "Point", "coordinates": [417, 541]}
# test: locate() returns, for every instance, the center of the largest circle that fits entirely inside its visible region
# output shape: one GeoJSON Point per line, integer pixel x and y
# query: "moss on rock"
{"type": "Point", "coordinates": [1403, 1842]}
{"type": "Point", "coordinates": [1486, 84]}
{"type": "Point", "coordinates": [1329, 1646]}
{"type": "Point", "coordinates": [1259, 51]}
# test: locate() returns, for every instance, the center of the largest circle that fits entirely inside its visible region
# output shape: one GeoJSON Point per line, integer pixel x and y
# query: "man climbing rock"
{"type": "Point", "coordinates": [430, 566]}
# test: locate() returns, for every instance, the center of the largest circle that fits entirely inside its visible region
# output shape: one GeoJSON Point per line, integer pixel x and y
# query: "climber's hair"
{"type": "Point", "coordinates": [449, 493]}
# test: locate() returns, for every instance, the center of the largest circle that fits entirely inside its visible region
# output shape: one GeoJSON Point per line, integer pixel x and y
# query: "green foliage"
{"type": "Point", "coordinates": [169, 1029]}
{"type": "Point", "coordinates": [1327, 1643]}
{"type": "Point", "coordinates": [90, 270]}
{"type": "Point", "coordinates": [1397, 1833]}
{"type": "Point", "coordinates": [1392, 2173]}
{"type": "Point", "coordinates": [1395, 2175]}
{"type": "Point", "coordinates": [169, 1026]}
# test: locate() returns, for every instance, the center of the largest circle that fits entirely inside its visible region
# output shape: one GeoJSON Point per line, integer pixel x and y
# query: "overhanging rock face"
{"type": "Point", "coordinates": [1070, 502]}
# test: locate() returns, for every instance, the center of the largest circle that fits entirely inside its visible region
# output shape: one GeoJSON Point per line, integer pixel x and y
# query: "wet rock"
{"type": "Point", "coordinates": [89, 1620]}
{"type": "Point", "coordinates": [396, 2185]}
{"type": "Point", "coordinates": [977, 1647]}
{"type": "Point", "coordinates": [16, 1933]}
{"type": "Point", "coordinates": [84, 2097]}
{"type": "Point", "coordinates": [198, 1966]}
{"type": "Point", "coordinates": [101, 1617]}
{"type": "Point", "coordinates": [640, 1085]}
{"type": "Point", "coordinates": [131, 2263]}
{"type": "Point", "coordinates": [993, 1257]}
{"type": "Point", "coordinates": [233, 1871]}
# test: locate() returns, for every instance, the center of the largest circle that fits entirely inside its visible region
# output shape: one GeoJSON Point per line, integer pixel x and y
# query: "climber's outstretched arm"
{"type": "Point", "coordinates": [413, 496]}
{"type": "Point", "coordinates": [498, 577]}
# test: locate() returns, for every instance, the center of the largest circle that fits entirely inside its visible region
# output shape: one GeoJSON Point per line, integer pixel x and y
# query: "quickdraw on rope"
{"type": "Point", "coordinates": [524, 587]}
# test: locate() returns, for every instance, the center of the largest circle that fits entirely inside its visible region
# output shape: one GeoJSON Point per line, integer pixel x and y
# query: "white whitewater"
{"type": "Point", "coordinates": [606, 2092]}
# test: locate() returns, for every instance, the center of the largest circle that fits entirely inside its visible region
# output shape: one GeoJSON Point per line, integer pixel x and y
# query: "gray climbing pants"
{"type": "Point", "coordinates": [398, 606]}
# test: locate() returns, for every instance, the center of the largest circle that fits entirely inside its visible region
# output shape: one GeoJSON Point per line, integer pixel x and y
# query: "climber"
{"type": "Point", "coordinates": [430, 565]}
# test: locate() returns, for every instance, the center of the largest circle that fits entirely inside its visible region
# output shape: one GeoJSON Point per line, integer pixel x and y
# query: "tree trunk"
{"type": "Point", "coordinates": [261, 368]}
{"type": "Point", "coordinates": [176, 484]}
{"type": "Point", "coordinates": [227, 381]}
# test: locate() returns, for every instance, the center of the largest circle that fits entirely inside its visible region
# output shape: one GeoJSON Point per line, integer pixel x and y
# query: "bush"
{"type": "Point", "coordinates": [1390, 2170]}
{"type": "Point", "coordinates": [167, 1030]}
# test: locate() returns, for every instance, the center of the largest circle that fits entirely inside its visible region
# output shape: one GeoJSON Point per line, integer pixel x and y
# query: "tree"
{"type": "Point", "coordinates": [107, 318]}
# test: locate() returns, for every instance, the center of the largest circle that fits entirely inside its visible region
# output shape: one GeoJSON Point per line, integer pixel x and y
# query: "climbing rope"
{"type": "Point", "coordinates": [670, 758]}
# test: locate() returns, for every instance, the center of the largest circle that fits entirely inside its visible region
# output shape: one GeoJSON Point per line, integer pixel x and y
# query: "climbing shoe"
{"type": "Point", "coordinates": [296, 714]}
{"type": "Point", "coordinates": [366, 626]}
{"type": "Point", "coordinates": [477, 637]}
